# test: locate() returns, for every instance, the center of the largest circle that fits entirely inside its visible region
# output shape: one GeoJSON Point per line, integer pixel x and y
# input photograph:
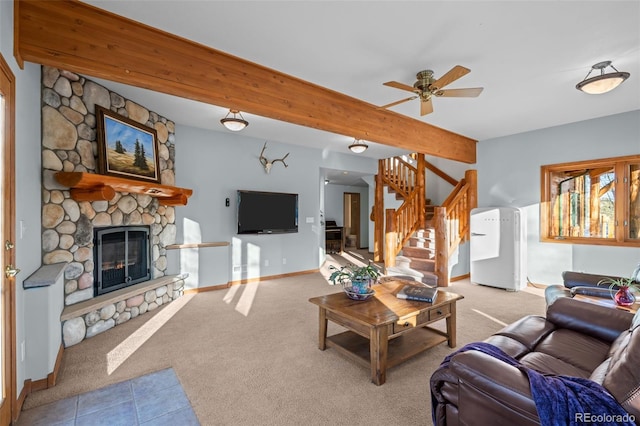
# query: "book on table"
{"type": "Point", "coordinates": [419, 293]}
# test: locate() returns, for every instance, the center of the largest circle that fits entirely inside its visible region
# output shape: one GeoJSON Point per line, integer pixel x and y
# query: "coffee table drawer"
{"type": "Point", "coordinates": [439, 312]}
{"type": "Point", "coordinates": [355, 326]}
{"type": "Point", "coordinates": [411, 322]}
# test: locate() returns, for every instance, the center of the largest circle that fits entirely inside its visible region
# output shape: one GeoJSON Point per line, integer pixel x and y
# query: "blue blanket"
{"type": "Point", "coordinates": [560, 400]}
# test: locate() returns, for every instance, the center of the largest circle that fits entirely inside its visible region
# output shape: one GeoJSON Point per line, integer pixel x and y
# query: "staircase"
{"type": "Point", "coordinates": [418, 258]}
{"type": "Point", "coordinates": [420, 239]}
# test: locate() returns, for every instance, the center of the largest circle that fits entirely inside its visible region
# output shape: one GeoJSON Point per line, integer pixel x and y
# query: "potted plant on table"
{"type": "Point", "coordinates": [355, 280]}
{"type": "Point", "coordinates": [623, 286]}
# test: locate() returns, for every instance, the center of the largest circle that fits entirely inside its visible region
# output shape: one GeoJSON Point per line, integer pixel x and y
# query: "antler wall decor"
{"type": "Point", "coordinates": [266, 163]}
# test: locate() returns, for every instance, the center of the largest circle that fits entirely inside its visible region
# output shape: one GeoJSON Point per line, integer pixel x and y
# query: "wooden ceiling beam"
{"type": "Point", "coordinates": [81, 38]}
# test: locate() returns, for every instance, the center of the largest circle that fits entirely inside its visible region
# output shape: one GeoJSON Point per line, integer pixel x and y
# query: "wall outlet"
{"type": "Point", "coordinates": [309, 220]}
{"type": "Point", "coordinates": [284, 260]}
{"type": "Point", "coordinates": [22, 351]}
{"type": "Point", "coordinates": [266, 263]}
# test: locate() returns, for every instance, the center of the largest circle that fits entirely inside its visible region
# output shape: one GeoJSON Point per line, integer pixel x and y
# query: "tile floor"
{"type": "Point", "coordinates": [154, 399]}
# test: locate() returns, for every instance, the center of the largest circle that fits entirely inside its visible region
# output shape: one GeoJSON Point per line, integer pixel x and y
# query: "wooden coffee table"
{"type": "Point", "coordinates": [384, 331]}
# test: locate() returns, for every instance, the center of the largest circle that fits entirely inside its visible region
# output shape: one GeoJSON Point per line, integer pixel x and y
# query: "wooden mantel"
{"type": "Point", "coordinates": [81, 38]}
{"type": "Point", "coordinates": [94, 187]}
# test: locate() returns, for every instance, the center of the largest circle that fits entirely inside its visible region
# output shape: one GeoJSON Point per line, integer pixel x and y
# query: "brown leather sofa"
{"type": "Point", "coordinates": [576, 338]}
{"type": "Point", "coordinates": [585, 283]}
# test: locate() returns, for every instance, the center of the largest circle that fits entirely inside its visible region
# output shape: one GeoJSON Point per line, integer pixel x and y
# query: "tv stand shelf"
{"type": "Point", "coordinates": [96, 187]}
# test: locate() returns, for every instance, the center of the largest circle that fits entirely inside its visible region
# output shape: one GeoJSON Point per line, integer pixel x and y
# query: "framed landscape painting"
{"type": "Point", "coordinates": [126, 148]}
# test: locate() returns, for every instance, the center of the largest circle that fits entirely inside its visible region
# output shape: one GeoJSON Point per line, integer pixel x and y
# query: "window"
{"type": "Point", "coordinates": [591, 202]}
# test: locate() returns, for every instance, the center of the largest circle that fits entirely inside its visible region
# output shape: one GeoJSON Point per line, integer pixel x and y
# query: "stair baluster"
{"type": "Point", "coordinates": [450, 221]}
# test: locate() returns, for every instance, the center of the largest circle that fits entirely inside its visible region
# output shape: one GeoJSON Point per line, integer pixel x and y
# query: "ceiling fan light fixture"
{"type": "Point", "coordinates": [234, 123]}
{"type": "Point", "coordinates": [426, 87]}
{"type": "Point", "coordinates": [602, 83]}
{"type": "Point", "coordinates": [358, 146]}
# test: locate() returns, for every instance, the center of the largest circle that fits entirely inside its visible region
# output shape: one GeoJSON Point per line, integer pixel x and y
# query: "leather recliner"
{"type": "Point", "coordinates": [584, 283]}
{"type": "Point", "coordinates": [576, 338]}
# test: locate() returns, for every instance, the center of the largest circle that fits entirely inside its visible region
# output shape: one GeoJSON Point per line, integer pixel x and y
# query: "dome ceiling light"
{"type": "Point", "coordinates": [358, 146]}
{"type": "Point", "coordinates": [234, 123]}
{"type": "Point", "coordinates": [602, 83]}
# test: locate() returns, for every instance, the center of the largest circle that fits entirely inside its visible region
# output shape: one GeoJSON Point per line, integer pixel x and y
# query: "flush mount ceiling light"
{"type": "Point", "coordinates": [602, 83]}
{"type": "Point", "coordinates": [234, 123]}
{"type": "Point", "coordinates": [358, 146]}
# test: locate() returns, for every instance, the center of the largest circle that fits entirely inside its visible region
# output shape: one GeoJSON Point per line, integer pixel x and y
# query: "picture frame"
{"type": "Point", "coordinates": [126, 148]}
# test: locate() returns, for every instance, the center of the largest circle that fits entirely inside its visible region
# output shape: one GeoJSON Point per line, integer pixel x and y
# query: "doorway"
{"type": "Point", "coordinates": [7, 238]}
{"type": "Point", "coordinates": [351, 220]}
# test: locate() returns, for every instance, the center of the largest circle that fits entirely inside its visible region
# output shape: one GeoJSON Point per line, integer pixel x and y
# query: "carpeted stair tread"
{"type": "Point", "coordinates": [418, 252]}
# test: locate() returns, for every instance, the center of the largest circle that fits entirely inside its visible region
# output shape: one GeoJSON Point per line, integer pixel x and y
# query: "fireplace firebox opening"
{"type": "Point", "coordinates": [122, 257]}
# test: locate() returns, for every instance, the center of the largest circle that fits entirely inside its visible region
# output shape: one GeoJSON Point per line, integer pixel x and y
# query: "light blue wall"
{"type": "Point", "coordinates": [334, 205]}
{"type": "Point", "coordinates": [509, 175]}
{"type": "Point", "coordinates": [28, 189]}
{"type": "Point", "coordinates": [215, 165]}
{"type": "Point", "coordinates": [437, 188]}
{"type": "Point", "coordinates": [334, 201]}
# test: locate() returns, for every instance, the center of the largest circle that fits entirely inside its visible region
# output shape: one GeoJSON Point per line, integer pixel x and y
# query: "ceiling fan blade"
{"type": "Point", "coordinates": [459, 93]}
{"type": "Point", "coordinates": [452, 75]}
{"type": "Point", "coordinates": [426, 107]}
{"type": "Point", "coordinates": [397, 102]}
{"type": "Point", "coordinates": [400, 86]}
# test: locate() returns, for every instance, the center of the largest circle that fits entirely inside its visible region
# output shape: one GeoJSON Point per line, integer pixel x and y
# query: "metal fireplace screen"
{"type": "Point", "coordinates": [122, 255]}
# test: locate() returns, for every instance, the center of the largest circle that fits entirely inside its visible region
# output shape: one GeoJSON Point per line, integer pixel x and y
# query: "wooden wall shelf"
{"type": "Point", "coordinates": [197, 245]}
{"type": "Point", "coordinates": [96, 187]}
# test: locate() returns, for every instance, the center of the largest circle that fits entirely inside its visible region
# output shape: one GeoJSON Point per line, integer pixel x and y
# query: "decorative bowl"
{"type": "Point", "coordinates": [358, 296]}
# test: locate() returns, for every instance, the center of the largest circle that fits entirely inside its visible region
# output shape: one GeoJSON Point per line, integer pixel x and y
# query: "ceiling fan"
{"type": "Point", "coordinates": [427, 86]}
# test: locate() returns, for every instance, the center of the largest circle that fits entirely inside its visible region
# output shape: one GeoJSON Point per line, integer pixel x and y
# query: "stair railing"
{"type": "Point", "coordinates": [400, 226]}
{"type": "Point", "coordinates": [451, 223]}
{"type": "Point", "coordinates": [404, 179]}
{"type": "Point", "coordinates": [399, 175]}
{"type": "Point", "coordinates": [451, 220]}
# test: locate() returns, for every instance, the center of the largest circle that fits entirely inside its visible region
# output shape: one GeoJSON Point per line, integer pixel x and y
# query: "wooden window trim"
{"type": "Point", "coordinates": [621, 167]}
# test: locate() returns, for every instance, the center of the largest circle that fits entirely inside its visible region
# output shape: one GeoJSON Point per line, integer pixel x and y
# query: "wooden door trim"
{"type": "Point", "coordinates": [7, 87]}
{"type": "Point", "coordinates": [84, 39]}
{"type": "Point", "coordinates": [358, 233]}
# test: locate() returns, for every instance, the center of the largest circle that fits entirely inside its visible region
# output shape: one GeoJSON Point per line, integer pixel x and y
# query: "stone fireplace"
{"type": "Point", "coordinates": [69, 227]}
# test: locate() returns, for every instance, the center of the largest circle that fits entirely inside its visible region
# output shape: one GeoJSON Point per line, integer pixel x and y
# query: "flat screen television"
{"type": "Point", "coordinates": [267, 212]}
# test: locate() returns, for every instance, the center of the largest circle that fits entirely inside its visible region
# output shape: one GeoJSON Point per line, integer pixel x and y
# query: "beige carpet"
{"type": "Point", "coordinates": [248, 355]}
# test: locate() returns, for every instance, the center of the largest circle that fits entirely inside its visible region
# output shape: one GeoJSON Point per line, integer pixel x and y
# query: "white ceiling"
{"type": "Point", "coordinates": [528, 56]}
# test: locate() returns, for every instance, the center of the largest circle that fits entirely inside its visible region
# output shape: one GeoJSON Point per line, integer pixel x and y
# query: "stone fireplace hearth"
{"type": "Point", "coordinates": [69, 145]}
